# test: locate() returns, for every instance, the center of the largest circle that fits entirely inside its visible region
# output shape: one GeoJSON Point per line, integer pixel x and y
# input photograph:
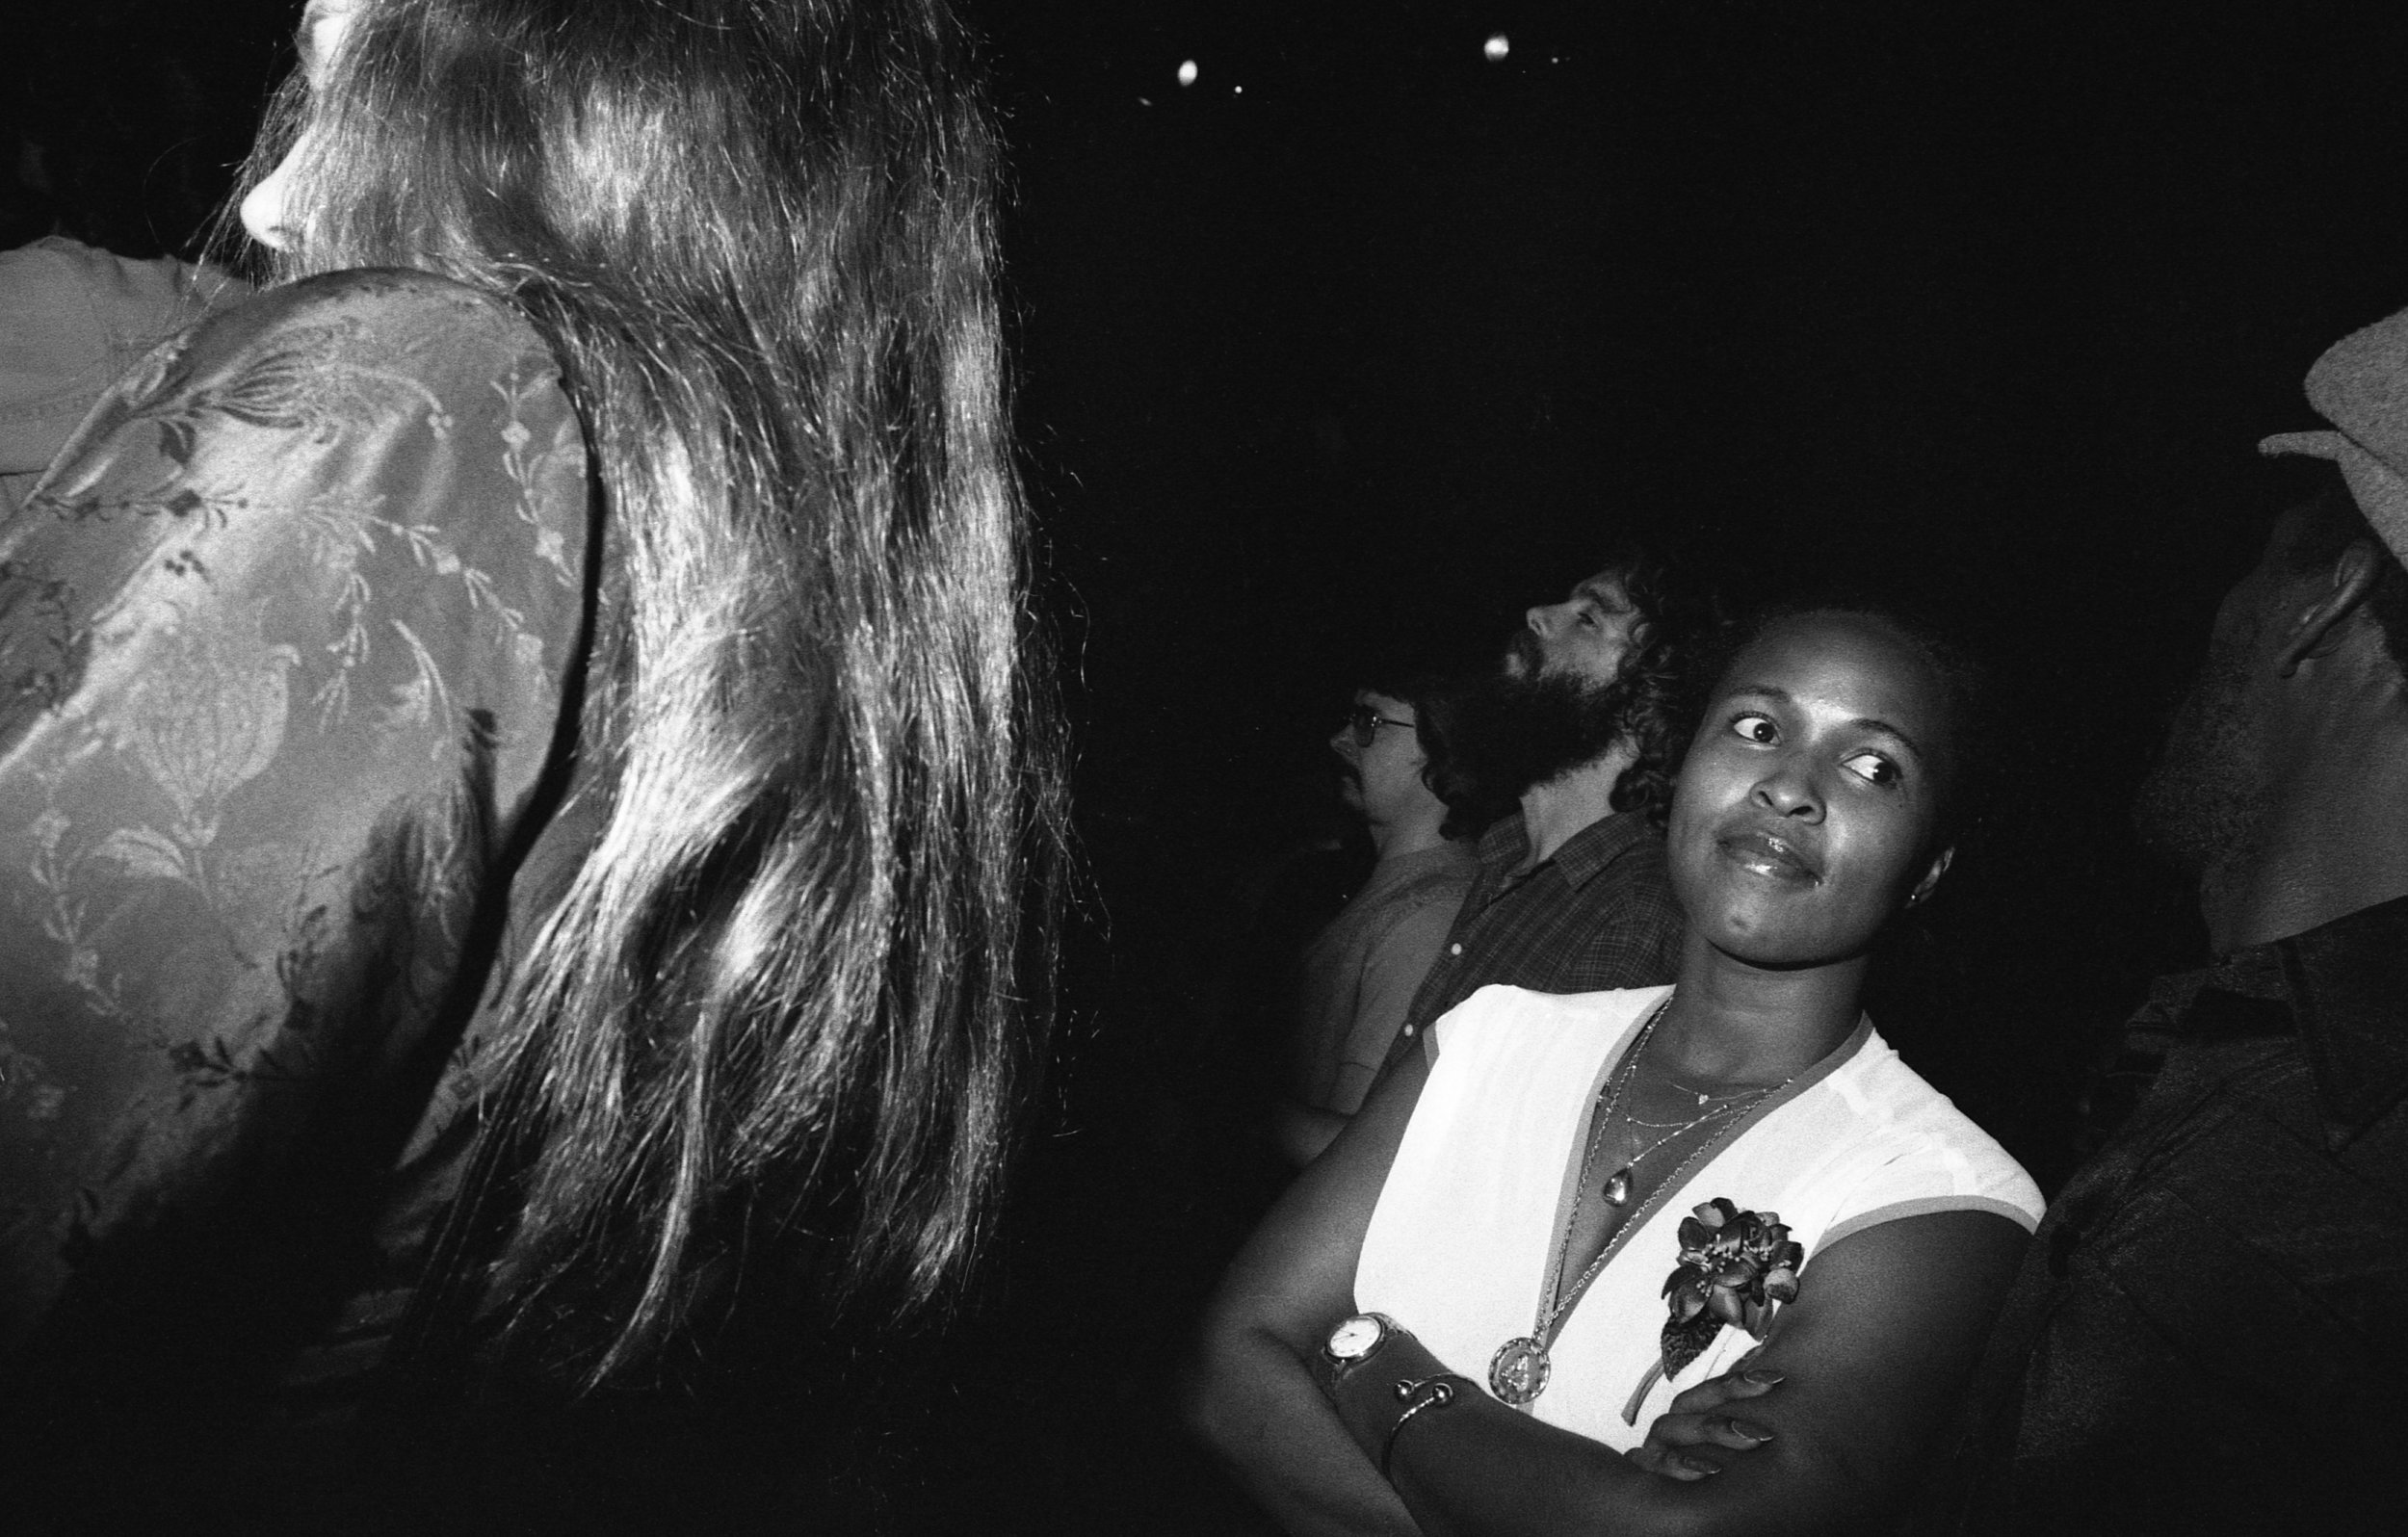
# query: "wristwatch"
{"type": "Point", "coordinates": [1356, 1340]}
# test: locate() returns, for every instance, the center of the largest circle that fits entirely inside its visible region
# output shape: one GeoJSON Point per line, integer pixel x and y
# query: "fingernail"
{"type": "Point", "coordinates": [1751, 1432]}
{"type": "Point", "coordinates": [1763, 1377]}
{"type": "Point", "coordinates": [1700, 1465]}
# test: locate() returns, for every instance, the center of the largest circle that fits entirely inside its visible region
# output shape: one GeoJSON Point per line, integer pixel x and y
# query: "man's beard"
{"type": "Point", "coordinates": [2202, 804]}
{"type": "Point", "coordinates": [1531, 727]}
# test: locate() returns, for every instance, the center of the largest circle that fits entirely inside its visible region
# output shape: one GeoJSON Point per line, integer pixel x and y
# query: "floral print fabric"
{"type": "Point", "coordinates": [285, 635]}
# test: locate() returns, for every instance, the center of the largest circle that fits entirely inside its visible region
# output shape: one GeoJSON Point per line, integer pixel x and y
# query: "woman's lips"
{"type": "Point", "coordinates": [1764, 854]}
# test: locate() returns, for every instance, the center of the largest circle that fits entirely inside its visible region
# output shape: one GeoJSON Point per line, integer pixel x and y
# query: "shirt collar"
{"type": "Point", "coordinates": [2348, 983]}
{"type": "Point", "coordinates": [1403, 867]}
{"type": "Point", "coordinates": [1504, 846]}
{"type": "Point", "coordinates": [1505, 849]}
{"type": "Point", "coordinates": [2339, 987]}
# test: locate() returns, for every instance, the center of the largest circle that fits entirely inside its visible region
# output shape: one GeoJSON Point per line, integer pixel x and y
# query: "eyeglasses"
{"type": "Point", "coordinates": [1367, 722]}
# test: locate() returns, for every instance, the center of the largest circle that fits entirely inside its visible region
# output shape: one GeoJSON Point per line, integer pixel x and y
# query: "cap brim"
{"type": "Point", "coordinates": [2379, 491]}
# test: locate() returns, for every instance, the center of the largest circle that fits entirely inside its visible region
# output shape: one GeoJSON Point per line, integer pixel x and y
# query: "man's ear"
{"type": "Point", "coordinates": [1940, 863]}
{"type": "Point", "coordinates": [2314, 628]}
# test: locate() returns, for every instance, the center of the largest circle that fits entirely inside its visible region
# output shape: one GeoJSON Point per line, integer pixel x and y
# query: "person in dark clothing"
{"type": "Point", "coordinates": [2206, 1333]}
{"type": "Point", "coordinates": [1585, 728]}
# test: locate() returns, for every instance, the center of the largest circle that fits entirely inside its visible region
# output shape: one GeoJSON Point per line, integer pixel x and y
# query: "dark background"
{"type": "Point", "coordinates": [1362, 339]}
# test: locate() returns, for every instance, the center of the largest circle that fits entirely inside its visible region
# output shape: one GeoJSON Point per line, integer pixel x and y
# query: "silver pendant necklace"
{"type": "Point", "coordinates": [1703, 1095]}
{"type": "Point", "coordinates": [1518, 1372]}
{"type": "Point", "coordinates": [1617, 1190]}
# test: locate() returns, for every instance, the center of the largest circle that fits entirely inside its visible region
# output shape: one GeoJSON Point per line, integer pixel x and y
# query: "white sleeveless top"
{"type": "Point", "coordinates": [1468, 1224]}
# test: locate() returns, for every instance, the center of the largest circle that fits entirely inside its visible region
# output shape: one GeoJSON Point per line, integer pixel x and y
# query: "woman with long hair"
{"type": "Point", "coordinates": [529, 792]}
{"type": "Point", "coordinates": [1542, 1238]}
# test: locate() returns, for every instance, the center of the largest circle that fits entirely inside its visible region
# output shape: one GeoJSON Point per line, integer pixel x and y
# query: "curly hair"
{"type": "Point", "coordinates": [1443, 697]}
{"type": "Point", "coordinates": [1676, 642]}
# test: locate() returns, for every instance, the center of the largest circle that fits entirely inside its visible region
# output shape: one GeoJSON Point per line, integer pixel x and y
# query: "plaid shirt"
{"type": "Point", "coordinates": [2225, 1280]}
{"type": "Point", "coordinates": [1598, 913]}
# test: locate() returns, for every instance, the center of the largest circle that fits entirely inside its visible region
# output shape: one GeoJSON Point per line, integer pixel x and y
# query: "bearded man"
{"type": "Point", "coordinates": [2210, 1326]}
{"type": "Point", "coordinates": [1586, 727]}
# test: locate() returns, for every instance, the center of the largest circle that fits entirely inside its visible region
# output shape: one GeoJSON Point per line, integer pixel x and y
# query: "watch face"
{"type": "Point", "coordinates": [1353, 1339]}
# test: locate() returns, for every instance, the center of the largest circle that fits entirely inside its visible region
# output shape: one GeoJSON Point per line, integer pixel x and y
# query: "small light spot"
{"type": "Point", "coordinates": [1237, 90]}
{"type": "Point", "coordinates": [1495, 47]}
{"type": "Point", "coordinates": [1186, 71]}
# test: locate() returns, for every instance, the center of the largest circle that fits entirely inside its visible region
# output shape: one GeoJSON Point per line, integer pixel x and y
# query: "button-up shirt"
{"type": "Point", "coordinates": [1596, 913]}
{"type": "Point", "coordinates": [2211, 1327]}
{"type": "Point", "coordinates": [1359, 975]}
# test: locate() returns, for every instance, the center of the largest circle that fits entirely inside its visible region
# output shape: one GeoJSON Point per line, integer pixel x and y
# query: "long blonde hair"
{"type": "Point", "coordinates": [799, 977]}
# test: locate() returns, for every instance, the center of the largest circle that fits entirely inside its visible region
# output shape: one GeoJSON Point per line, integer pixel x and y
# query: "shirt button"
{"type": "Point", "coordinates": [1456, 949]}
{"type": "Point", "coordinates": [1410, 1030]}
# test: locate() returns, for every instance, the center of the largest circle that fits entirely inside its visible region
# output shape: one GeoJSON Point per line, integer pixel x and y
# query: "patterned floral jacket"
{"type": "Point", "coordinates": [286, 632]}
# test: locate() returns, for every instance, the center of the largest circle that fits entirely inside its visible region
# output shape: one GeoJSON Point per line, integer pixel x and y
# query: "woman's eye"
{"type": "Point", "coordinates": [1873, 769]}
{"type": "Point", "coordinates": [1755, 728]}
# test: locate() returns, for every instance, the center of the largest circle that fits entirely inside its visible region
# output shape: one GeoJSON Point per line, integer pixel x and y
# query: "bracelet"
{"type": "Point", "coordinates": [1441, 1393]}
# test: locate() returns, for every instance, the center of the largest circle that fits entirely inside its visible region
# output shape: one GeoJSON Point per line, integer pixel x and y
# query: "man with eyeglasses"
{"type": "Point", "coordinates": [1585, 728]}
{"type": "Point", "coordinates": [1356, 979]}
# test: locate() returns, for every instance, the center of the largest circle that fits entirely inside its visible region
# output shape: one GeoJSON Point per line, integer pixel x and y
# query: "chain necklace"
{"type": "Point", "coordinates": [1617, 1190]}
{"type": "Point", "coordinates": [1703, 1095]}
{"type": "Point", "coordinates": [1518, 1372]}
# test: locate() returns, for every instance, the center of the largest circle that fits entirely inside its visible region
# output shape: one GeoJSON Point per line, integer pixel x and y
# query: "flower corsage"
{"type": "Point", "coordinates": [1736, 1267]}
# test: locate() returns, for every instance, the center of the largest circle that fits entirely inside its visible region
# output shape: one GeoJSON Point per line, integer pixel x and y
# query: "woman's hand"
{"type": "Point", "coordinates": [1367, 1405]}
{"type": "Point", "coordinates": [1697, 1418]}
{"type": "Point", "coordinates": [1865, 1361]}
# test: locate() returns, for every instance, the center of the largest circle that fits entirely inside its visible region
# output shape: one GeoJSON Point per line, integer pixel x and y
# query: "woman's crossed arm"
{"type": "Point", "coordinates": [1887, 1326]}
